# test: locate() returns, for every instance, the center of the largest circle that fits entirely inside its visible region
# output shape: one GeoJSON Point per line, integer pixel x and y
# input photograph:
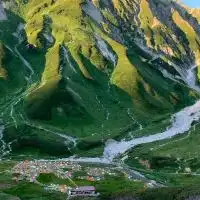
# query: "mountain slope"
{"type": "Point", "coordinates": [94, 70]}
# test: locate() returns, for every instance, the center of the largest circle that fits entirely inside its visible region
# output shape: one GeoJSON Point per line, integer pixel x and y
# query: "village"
{"type": "Point", "coordinates": [71, 171]}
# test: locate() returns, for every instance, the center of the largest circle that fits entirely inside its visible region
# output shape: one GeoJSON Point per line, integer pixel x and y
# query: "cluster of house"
{"type": "Point", "coordinates": [97, 173]}
{"type": "Point", "coordinates": [30, 170]}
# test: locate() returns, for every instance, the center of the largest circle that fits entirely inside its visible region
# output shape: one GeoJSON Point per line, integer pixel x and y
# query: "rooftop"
{"type": "Point", "coordinates": [84, 188]}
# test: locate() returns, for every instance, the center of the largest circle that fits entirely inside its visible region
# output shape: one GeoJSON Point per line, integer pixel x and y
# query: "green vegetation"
{"type": "Point", "coordinates": [32, 191]}
{"type": "Point", "coordinates": [106, 187]}
{"type": "Point", "coordinates": [63, 95]}
{"type": "Point", "coordinates": [110, 188]}
{"type": "Point", "coordinates": [51, 178]}
{"type": "Point", "coordinates": [174, 162]}
{"type": "Point", "coordinates": [109, 17]}
{"type": "Point", "coordinates": [3, 73]}
{"type": "Point", "coordinates": [146, 18]}
{"type": "Point", "coordinates": [34, 140]}
{"type": "Point", "coordinates": [177, 193]}
{"type": "Point", "coordinates": [75, 90]}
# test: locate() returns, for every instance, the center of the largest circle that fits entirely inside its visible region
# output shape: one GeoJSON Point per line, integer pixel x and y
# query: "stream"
{"type": "Point", "coordinates": [181, 122]}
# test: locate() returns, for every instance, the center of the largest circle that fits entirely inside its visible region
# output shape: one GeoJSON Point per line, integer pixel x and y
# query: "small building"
{"type": "Point", "coordinates": [63, 188]}
{"type": "Point", "coordinates": [90, 178]}
{"type": "Point", "coordinates": [83, 191]}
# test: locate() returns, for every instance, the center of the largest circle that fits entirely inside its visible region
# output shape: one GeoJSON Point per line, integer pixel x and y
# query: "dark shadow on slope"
{"type": "Point", "coordinates": [93, 109]}
{"type": "Point", "coordinates": [16, 67]}
{"type": "Point", "coordinates": [167, 193]}
{"type": "Point", "coordinates": [35, 142]}
{"type": "Point", "coordinates": [165, 95]}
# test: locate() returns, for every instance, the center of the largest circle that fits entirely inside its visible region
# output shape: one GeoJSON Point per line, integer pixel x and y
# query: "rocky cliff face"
{"type": "Point", "coordinates": [95, 69]}
{"type": "Point", "coordinates": [161, 29]}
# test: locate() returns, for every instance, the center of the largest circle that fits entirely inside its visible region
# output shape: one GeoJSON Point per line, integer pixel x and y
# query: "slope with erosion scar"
{"type": "Point", "coordinates": [108, 95]}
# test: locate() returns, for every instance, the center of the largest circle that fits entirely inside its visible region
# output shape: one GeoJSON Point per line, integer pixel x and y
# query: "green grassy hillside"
{"type": "Point", "coordinates": [85, 70]}
{"type": "Point", "coordinates": [75, 74]}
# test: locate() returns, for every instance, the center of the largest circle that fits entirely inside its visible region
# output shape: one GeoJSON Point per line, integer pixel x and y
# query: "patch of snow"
{"type": "Point", "coordinates": [188, 76]}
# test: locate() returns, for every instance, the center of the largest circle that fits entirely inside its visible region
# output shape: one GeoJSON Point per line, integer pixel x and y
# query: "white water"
{"type": "Point", "coordinates": [10, 50]}
{"type": "Point", "coordinates": [130, 114]}
{"type": "Point", "coordinates": [68, 138]}
{"type": "Point", "coordinates": [12, 109]}
{"type": "Point", "coordinates": [181, 123]}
